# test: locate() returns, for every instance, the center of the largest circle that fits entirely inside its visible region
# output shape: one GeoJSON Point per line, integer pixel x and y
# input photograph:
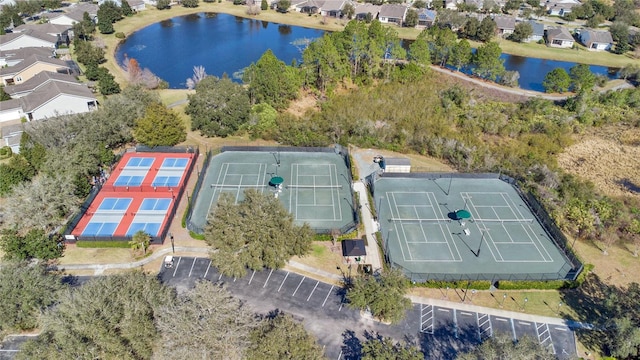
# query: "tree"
{"type": "Point", "coordinates": [511, 5]}
{"type": "Point", "coordinates": [264, 5]}
{"type": "Point", "coordinates": [470, 29]}
{"type": "Point", "coordinates": [140, 241]}
{"type": "Point", "coordinates": [595, 21]}
{"type": "Point", "coordinates": [263, 121]}
{"type": "Point", "coordinates": [419, 51]}
{"type": "Point", "coordinates": [322, 65]}
{"type": "Point", "coordinates": [487, 29]}
{"type": "Point", "coordinates": [378, 347]}
{"type": "Point", "coordinates": [159, 127]}
{"type": "Point", "coordinates": [219, 107]}
{"type": "Point", "coordinates": [461, 54]}
{"type": "Point", "coordinates": [221, 328]}
{"type": "Point", "coordinates": [557, 81]}
{"type": "Point", "coordinates": [34, 244]}
{"type": "Point", "coordinates": [88, 54]}
{"type": "Point", "coordinates": [190, 3]}
{"type": "Point", "coordinates": [199, 73]}
{"type": "Point", "coordinates": [280, 337]}
{"type": "Point", "coordinates": [502, 346]}
{"type": "Point", "coordinates": [582, 79]}
{"type": "Point", "coordinates": [126, 8]}
{"type": "Point", "coordinates": [283, 6]}
{"type": "Point", "coordinates": [411, 19]}
{"type": "Point", "coordinates": [348, 10]}
{"type": "Point", "coordinates": [14, 172]}
{"type": "Point", "coordinates": [272, 81]}
{"type": "Point", "coordinates": [487, 61]}
{"type": "Point", "coordinates": [108, 13]}
{"type": "Point", "coordinates": [26, 290]}
{"type": "Point", "coordinates": [382, 294]}
{"type": "Point", "coordinates": [109, 317]}
{"type": "Point", "coordinates": [522, 32]}
{"type": "Point", "coordinates": [3, 95]}
{"type": "Point", "coordinates": [107, 84]}
{"type": "Point", "coordinates": [163, 4]}
{"type": "Point", "coordinates": [256, 233]}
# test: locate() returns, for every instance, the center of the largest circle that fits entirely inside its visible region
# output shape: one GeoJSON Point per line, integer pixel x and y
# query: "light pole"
{"type": "Point", "coordinates": [559, 306]}
{"type": "Point", "coordinates": [473, 292]}
{"type": "Point", "coordinates": [524, 304]}
{"type": "Point", "coordinates": [173, 248]}
{"type": "Point", "coordinates": [446, 292]}
{"type": "Point", "coordinates": [504, 298]}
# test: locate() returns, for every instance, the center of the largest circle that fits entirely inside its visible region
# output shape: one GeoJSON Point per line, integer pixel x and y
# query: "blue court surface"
{"type": "Point", "coordinates": [149, 228]}
{"type": "Point", "coordinates": [100, 229]}
{"type": "Point", "coordinates": [142, 162]}
{"type": "Point", "coordinates": [126, 180]}
{"type": "Point", "coordinates": [170, 181]}
{"type": "Point", "coordinates": [118, 204]}
{"type": "Point", "coordinates": [180, 163]}
{"type": "Point", "coordinates": [155, 204]}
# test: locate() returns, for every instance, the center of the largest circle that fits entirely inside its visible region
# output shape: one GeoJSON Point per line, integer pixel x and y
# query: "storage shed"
{"type": "Point", "coordinates": [397, 165]}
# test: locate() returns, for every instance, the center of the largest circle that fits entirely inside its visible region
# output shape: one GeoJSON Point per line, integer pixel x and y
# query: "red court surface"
{"type": "Point", "coordinates": [141, 193]}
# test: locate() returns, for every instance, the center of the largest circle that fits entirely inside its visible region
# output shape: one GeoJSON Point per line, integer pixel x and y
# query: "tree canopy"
{"type": "Point", "coordinates": [257, 232]}
{"type": "Point", "coordinates": [280, 337]}
{"type": "Point", "coordinates": [159, 127]}
{"type": "Point", "coordinates": [500, 347]}
{"type": "Point", "coordinates": [383, 294]}
{"type": "Point", "coordinates": [557, 80]}
{"type": "Point", "coordinates": [35, 244]}
{"type": "Point", "coordinates": [271, 81]}
{"type": "Point", "coordinates": [109, 317]}
{"type": "Point", "coordinates": [26, 290]}
{"type": "Point", "coordinates": [487, 61]}
{"type": "Point", "coordinates": [219, 107]}
{"type": "Point", "coordinates": [378, 347]}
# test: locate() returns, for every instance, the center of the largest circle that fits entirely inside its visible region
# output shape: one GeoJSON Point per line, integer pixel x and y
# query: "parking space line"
{"type": "Point", "coordinates": [220, 277]}
{"type": "Point", "coordinates": [254, 272]}
{"type": "Point", "coordinates": [206, 272]}
{"type": "Point", "coordinates": [294, 293]}
{"type": "Point", "coordinates": [326, 297]}
{"type": "Point", "coordinates": [544, 335]}
{"type": "Point", "coordinates": [429, 319]}
{"type": "Point", "coordinates": [191, 270]}
{"type": "Point", "coordinates": [482, 320]}
{"type": "Point", "coordinates": [268, 277]}
{"type": "Point", "coordinates": [314, 289]}
{"type": "Point", "coordinates": [513, 329]}
{"type": "Point", "coordinates": [285, 279]}
{"type": "Point", "coordinates": [340, 355]}
{"type": "Point", "coordinates": [340, 308]}
{"type": "Point", "coordinates": [455, 323]}
{"type": "Point", "coordinates": [176, 269]}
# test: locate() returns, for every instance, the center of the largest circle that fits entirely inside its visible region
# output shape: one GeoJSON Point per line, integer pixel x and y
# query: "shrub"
{"type": "Point", "coordinates": [103, 244]}
{"type": "Point", "coordinates": [196, 236]}
{"type": "Point", "coordinates": [5, 152]}
{"type": "Point", "coordinates": [120, 35]}
{"type": "Point", "coordinates": [476, 285]}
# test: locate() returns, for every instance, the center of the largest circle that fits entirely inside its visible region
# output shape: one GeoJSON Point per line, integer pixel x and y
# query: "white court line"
{"type": "Point", "coordinates": [453, 257]}
{"type": "Point", "coordinates": [395, 224]}
{"type": "Point", "coordinates": [215, 189]}
{"type": "Point", "coordinates": [268, 277]}
{"type": "Point", "coordinates": [329, 293]}
{"type": "Point", "coordinates": [294, 293]}
{"type": "Point", "coordinates": [206, 272]}
{"type": "Point", "coordinates": [252, 275]}
{"type": "Point", "coordinates": [239, 189]}
{"type": "Point", "coordinates": [176, 269]}
{"type": "Point", "coordinates": [334, 171]}
{"type": "Point", "coordinates": [314, 289]}
{"type": "Point", "coordinates": [282, 283]}
{"type": "Point", "coordinates": [192, 265]}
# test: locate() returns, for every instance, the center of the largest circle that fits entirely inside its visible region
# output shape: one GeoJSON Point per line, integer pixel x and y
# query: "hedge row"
{"type": "Point", "coordinates": [476, 285]}
{"type": "Point", "coordinates": [196, 236]}
{"type": "Point", "coordinates": [354, 169]}
{"type": "Point", "coordinates": [328, 237]}
{"type": "Point", "coordinates": [103, 244]}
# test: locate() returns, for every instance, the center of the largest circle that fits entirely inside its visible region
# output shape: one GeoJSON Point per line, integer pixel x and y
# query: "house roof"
{"type": "Point", "coordinates": [427, 14]}
{"type": "Point", "coordinates": [353, 248]}
{"type": "Point", "coordinates": [505, 22]}
{"type": "Point", "coordinates": [77, 12]}
{"type": "Point", "coordinates": [49, 91]}
{"type": "Point", "coordinates": [23, 53]}
{"type": "Point", "coordinates": [368, 8]}
{"type": "Point", "coordinates": [32, 59]}
{"type": "Point", "coordinates": [38, 80]}
{"type": "Point", "coordinates": [538, 28]}
{"type": "Point", "coordinates": [559, 33]}
{"type": "Point", "coordinates": [393, 11]}
{"type": "Point", "coordinates": [397, 161]}
{"type": "Point", "coordinates": [30, 32]}
{"type": "Point", "coordinates": [601, 37]}
{"type": "Point", "coordinates": [333, 5]}
{"type": "Point", "coordinates": [9, 130]}
{"type": "Point", "coordinates": [47, 28]}
{"type": "Point", "coordinates": [10, 104]}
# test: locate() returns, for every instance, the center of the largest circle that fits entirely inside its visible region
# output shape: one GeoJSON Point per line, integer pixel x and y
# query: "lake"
{"type": "Point", "coordinates": [227, 44]}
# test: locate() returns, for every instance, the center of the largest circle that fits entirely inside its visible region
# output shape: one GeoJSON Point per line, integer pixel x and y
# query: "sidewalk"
{"type": "Point", "coordinates": [373, 252]}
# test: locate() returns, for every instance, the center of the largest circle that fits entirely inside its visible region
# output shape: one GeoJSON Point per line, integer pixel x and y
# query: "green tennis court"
{"type": "Point", "coordinates": [497, 238]}
{"type": "Point", "coordinates": [314, 186]}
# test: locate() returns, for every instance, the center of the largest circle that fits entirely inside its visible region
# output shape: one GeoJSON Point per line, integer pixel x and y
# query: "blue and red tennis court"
{"type": "Point", "coordinates": [141, 193]}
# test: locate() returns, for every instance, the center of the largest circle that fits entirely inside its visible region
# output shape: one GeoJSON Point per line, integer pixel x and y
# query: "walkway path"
{"type": "Point", "coordinates": [370, 227]}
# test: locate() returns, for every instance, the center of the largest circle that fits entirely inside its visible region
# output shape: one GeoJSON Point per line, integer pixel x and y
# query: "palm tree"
{"type": "Point", "coordinates": [140, 240]}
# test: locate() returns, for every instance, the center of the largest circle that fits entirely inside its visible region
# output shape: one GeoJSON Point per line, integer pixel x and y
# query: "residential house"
{"type": "Point", "coordinates": [559, 7]}
{"type": "Point", "coordinates": [11, 110]}
{"type": "Point", "coordinates": [505, 25]}
{"type": "Point", "coordinates": [307, 6]}
{"type": "Point", "coordinates": [596, 40]}
{"type": "Point", "coordinates": [538, 32]}
{"type": "Point", "coordinates": [28, 38]}
{"type": "Point", "coordinates": [60, 32]}
{"type": "Point", "coordinates": [478, 4]}
{"type": "Point", "coordinates": [38, 81]}
{"type": "Point", "coordinates": [136, 5]}
{"type": "Point", "coordinates": [363, 9]}
{"type": "Point", "coordinates": [75, 14]}
{"type": "Point", "coordinates": [392, 14]}
{"type": "Point", "coordinates": [559, 37]}
{"type": "Point", "coordinates": [13, 57]}
{"type": "Point", "coordinates": [426, 18]}
{"type": "Point", "coordinates": [333, 8]}
{"type": "Point", "coordinates": [58, 98]}
{"type": "Point", "coordinates": [11, 135]}
{"type": "Point", "coordinates": [452, 4]}
{"type": "Point", "coordinates": [31, 66]}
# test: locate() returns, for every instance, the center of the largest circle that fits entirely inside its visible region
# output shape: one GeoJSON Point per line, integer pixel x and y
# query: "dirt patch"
{"type": "Point", "coordinates": [611, 161]}
{"type": "Point", "coordinates": [301, 105]}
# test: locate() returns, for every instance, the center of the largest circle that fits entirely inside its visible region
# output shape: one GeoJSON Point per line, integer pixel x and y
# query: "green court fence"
{"type": "Point", "coordinates": [569, 271]}
{"type": "Point", "coordinates": [156, 240]}
{"type": "Point", "coordinates": [337, 149]}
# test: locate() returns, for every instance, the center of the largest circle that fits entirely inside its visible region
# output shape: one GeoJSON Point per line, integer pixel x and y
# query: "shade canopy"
{"type": "Point", "coordinates": [276, 180]}
{"type": "Point", "coordinates": [462, 214]}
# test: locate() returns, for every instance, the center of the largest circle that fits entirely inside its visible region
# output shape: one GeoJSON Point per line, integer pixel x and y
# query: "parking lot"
{"type": "Point", "coordinates": [441, 332]}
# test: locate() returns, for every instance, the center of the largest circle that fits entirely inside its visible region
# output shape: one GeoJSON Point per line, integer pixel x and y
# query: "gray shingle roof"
{"type": "Point", "coordinates": [32, 59]}
{"type": "Point", "coordinates": [505, 22]}
{"type": "Point", "coordinates": [602, 37]}
{"type": "Point", "coordinates": [23, 53]}
{"type": "Point", "coordinates": [30, 32]}
{"type": "Point", "coordinates": [49, 91]}
{"type": "Point", "coordinates": [393, 11]}
{"type": "Point", "coordinates": [39, 80]}
{"type": "Point", "coordinates": [559, 33]}
{"type": "Point", "coordinates": [538, 28]}
{"type": "Point", "coordinates": [47, 28]}
{"type": "Point", "coordinates": [10, 104]}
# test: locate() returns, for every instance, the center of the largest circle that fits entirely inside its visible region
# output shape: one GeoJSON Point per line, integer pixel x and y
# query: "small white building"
{"type": "Point", "coordinates": [397, 165]}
